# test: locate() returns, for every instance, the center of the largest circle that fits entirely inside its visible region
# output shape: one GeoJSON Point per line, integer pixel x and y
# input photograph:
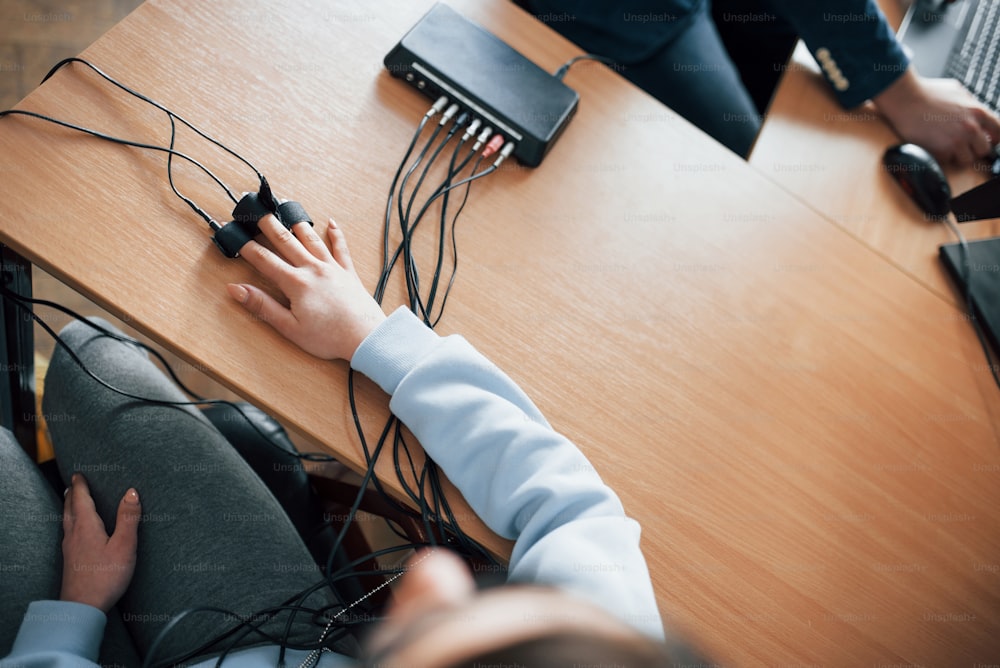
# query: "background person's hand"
{"type": "Point", "coordinates": [940, 115]}
{"type": "Point", "coordinates": [329, 311]}
{"type": "Point", "coordinates": [97, 569]}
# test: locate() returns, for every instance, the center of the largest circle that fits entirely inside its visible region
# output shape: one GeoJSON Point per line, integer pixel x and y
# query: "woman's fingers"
{"type": "Point", "coordinates": [286, 244]}
{"type": "Point", "coordinates": [338, 246]}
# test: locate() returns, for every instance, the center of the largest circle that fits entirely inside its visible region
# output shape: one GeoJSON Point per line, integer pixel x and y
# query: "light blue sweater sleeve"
{"type": "Point", "coordinates": [526, 481]}
{"type": "Point", "coordinates": [57, 633]}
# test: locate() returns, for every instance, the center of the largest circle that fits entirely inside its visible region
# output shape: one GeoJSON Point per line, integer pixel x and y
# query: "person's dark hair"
{"type": "Point", "coordinates": [576, 650]}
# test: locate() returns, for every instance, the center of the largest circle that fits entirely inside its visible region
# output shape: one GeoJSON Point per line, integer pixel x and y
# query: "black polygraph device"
{"type": "Point", "coordinates": [447, 54]}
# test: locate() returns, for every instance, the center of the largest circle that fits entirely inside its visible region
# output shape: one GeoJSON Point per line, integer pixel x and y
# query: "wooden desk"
{"type": "Point", "coordinates": [831, 159]}
{"type": "Point", "coordinates": [815, 471]}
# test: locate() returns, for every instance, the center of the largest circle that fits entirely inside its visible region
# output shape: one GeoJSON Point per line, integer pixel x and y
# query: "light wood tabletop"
{"type": "Point", "coordinates": [813, 461]}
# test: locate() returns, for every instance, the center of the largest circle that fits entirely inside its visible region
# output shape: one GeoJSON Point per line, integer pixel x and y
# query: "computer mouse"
{"type": "Point", "coordinates": [920, 176]}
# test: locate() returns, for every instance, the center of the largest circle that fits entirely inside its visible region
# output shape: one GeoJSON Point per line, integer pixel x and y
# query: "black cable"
{"type": "Point", "coordinates": [401, 248]}
{"type": "Point", "coordinates": [408, 227]}
{"type": "Point", "coordinates": [404, 249]}
{"type": "Point", "coordinates": [425, 308]}
{"type": "Point", "coordinates": [403, 218]}
{"type": "Point", "coordinates": [441, 236]}
{"type": "Point", "coordinates": [125, 142]}
{"type": "Point", "coordinates": [170, 176]}
{"type": "Point", "coordinates": [170, 151]}
{"type": "Point", "coordinates": [252, 623]}
{"type": "Point", "coordinates": [369, 457]}
{"type": "Point", "coordinates": [332, 577]}
{"type": "Point", "coordinates": [453, 128]}
{"type": "Point", "coordinates": [454, 245]}
{"type": "Point", "coordinates": [427, 482]}
{"type": "Point", "coordinates": [564, 68]}
{"type": "Point", "coordinates": [174, 621]}
{"type": "Point", "coordinates": [156, 104]}
{"type": "Point", "coordinates": [386, 265]}
{"type": "Point", "coordinates": [412, 277]}
{"type": "Point", "coordinates": [476, 176]}
{"type": "Point", "coordinates": [417, 496]}
{"type": "Point", "coordinates": [245, 622]}
{"type": "Point", "coordinates": [352, 511]}
{"type": "Point", "coordinates": [108, 333]}
{"type": "Point", "coordinates": [428, 496]}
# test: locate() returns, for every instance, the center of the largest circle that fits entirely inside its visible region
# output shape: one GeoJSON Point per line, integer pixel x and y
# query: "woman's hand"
{"type": "Point", "coordinates": [97, 569]}
{"type": "Point", "coordinates": [330, 312]}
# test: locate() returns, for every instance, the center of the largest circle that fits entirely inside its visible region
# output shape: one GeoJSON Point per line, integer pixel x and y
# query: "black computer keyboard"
{"type": "Point", "coordinates": [973, 61]}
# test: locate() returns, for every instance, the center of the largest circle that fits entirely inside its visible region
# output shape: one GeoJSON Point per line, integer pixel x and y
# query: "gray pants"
{"type": "Point", "coordinates": [211, 533]}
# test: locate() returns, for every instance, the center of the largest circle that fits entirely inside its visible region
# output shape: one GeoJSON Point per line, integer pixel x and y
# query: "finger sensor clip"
{"type": "Point", "coordinates": [245, 225]}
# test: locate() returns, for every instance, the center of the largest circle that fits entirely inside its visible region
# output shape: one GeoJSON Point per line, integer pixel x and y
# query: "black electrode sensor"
{"type": "Point", "coordinates": [245, 225]}
{"type": "Point", "coordinates": [446, 54]}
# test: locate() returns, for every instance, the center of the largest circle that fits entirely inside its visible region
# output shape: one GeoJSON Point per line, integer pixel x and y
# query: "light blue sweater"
{"type": "Point", "coordinates": [527, 482]}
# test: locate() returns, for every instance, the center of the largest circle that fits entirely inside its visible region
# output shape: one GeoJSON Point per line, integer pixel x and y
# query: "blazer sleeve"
{"type": "Point", "coordinates": [853, 43]}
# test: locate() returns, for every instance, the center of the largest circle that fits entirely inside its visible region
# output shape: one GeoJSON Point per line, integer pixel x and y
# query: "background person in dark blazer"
{"type": "Point", "coordinates": [716, 63]}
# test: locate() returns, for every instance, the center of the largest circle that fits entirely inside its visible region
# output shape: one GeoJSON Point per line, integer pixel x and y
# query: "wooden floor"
{"type": "Point", "coordinates": [34, 35]}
